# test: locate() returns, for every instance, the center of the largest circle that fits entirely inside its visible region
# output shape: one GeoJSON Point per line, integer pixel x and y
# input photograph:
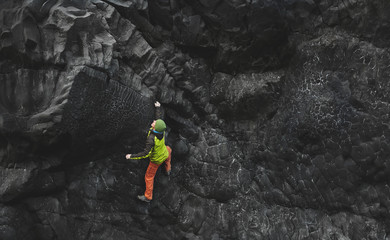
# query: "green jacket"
{"type": "Point", "coordinates": [155, 148]}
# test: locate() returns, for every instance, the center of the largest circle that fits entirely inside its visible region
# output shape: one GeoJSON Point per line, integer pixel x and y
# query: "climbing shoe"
{"type": "Point", "coordinates": [143, 198]}
{"type": "Point", "coordinates": [168, 173]}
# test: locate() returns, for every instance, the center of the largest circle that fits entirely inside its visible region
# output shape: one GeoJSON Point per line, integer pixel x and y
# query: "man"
{"type": "Point", "coordinates": [156, 151]}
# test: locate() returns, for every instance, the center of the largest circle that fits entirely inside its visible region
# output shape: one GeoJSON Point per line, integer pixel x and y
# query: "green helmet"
{"type": "Point", "coordinates": [160, 125]}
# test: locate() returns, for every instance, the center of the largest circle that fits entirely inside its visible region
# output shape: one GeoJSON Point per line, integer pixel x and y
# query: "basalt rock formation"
{"type": "Point", "coordinates": [277, 113]}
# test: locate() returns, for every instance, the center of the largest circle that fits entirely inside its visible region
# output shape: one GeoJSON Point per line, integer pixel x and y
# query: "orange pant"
{"type": "Point", "coordinates": [151, 172]}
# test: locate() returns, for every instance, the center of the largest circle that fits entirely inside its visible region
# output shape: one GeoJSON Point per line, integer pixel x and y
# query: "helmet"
{"type": "Point", "coordinates": [160, 125]}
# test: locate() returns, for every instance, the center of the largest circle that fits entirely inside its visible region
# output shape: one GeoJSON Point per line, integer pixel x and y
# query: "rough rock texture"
{"type": "Point", "coordinates": [277, 112]}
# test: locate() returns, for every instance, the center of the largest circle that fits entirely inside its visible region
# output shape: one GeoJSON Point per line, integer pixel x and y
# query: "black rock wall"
{"type": "Point", "coordinates": [277, 113]}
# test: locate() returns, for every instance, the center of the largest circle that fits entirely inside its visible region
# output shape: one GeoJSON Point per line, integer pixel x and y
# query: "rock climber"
{"type": "Point", "coordinates": [156, 151]}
